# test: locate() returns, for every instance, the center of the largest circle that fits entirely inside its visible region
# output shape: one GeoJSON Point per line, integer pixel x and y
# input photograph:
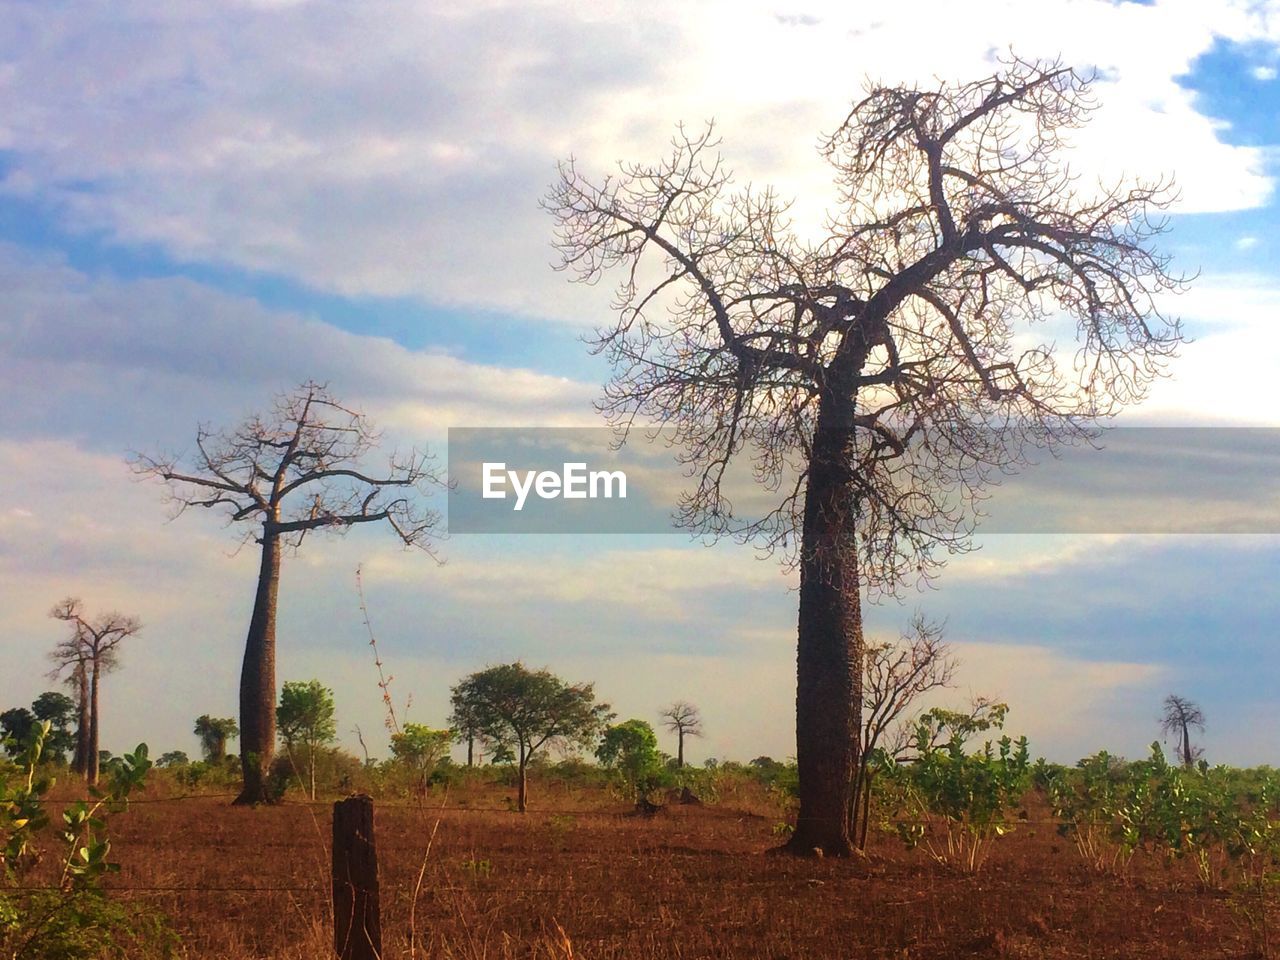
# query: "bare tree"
{"type": "Point", "coordinates": [296, 470]}
{"type": "Point", "coordinates": [85, 657]}
{"type": "Point", "coordinates": [897, 676]}
{"type": "Point", "coordinates": [684, 720]}
{"type": "Point", "coordinates": [1180, 717]}
{"type": "Point", "coordinates": [876, 377]}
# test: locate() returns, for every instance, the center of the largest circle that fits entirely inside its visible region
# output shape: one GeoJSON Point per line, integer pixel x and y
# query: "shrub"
{"type": "Point", "coordinates": [76, 919]}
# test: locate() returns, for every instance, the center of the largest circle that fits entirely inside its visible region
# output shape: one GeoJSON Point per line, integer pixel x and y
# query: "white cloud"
{"type": "Point", "coordinates": [1226, 373]}
{"type": "Point", "coordinates": [130, 364]}
{"type": "Point", "coordinates": [1264, 73]}
{"type": "Point", "coordinates": [401, 149]}
{"type": "Point", "coordinates": [1066, 707]}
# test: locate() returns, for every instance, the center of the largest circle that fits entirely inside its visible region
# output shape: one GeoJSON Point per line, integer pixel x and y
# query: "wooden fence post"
{"type": "Point", "coordinates": [357, 927]}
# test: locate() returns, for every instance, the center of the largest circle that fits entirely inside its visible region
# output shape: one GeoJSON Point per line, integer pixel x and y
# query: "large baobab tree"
{"type": "Point", "coordinates": [874, 375]}
{"type": "Point", "coordinates": [90, 652]}
{"type": "Point", "coordinates": [1180, 717]}
{"type": "Point", "coordinates": [684, 720]}
{"type": "Point", "coordinates": [296, 470]}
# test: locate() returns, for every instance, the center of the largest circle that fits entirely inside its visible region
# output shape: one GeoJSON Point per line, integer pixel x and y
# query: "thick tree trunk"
{"type": "Point", "coordinates": [80, 762]}
{"type": "Point", "coordinates": [258, 678]}
{"type": "Point", "coordinates": [829, 653]}
{"type": "Point", "coordinates": [94, 760]}
{"type": "Point", "coordinates": [680, 750]}
{"type": "Point", "coordinates": [471, 747]}
{"type": "Point", "coordinates": [1187, 760]}
{"type": "Point", "coordinates": [522, 791]}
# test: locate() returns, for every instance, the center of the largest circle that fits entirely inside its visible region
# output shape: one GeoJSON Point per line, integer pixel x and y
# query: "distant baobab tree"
{"type": "Point", "coordinates": [877, 375]}
{"type": "Point", "coordinates": [684, 720]}
{"type": "Point", "coordinates": [1180, 717]}
{"type": "Point", "coordinates": [214, 733]}
{"type": "Point", "coordinates": [83, 659]}
{"type": "Point", "coordinates": [295, 470]}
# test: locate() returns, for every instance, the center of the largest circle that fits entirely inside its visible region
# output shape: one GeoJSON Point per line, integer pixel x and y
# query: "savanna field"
{"type": "Point", "coordinates": [584, 874]}
{"type": "Point", "coordinates": [522, 310]}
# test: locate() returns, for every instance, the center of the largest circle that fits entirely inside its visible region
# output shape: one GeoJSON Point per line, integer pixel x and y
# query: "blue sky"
{"type": "Point", "coordinates": [203, 203]}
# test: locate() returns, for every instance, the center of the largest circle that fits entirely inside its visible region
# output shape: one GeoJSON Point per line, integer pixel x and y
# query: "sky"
{"type": "Point", "coordinates": [204, 203]}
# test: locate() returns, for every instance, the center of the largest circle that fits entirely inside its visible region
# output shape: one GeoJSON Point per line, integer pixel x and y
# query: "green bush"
{"type": "Point", "coordinates": [1219, 818]}
{"type": "Point", "coordinates": [76, 920]}
{"type": "Point", "coordinates": [953, 803]}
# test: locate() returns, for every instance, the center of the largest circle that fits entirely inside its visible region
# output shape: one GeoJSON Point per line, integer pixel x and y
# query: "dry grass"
{"type": "Point", "coordinates": [592, 882]}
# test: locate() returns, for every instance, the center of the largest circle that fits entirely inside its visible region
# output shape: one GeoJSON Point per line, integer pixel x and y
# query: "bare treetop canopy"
{"type": "Point", "coordinates": [878, 377]}
{"type": "Point", "coordinates": [957, 231]}
{"type": "Point", "coordinates": [283, 475]}
{"type": "Point", "coordinates": [300, 469]}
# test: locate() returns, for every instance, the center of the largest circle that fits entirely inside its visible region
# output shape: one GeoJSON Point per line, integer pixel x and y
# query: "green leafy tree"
{"type": "Point", "coordinates": [631, 749]}
{"type": "Point", "coordinates": [525, 710]}
{"type": "Point", "coordinates": [60, 712]}
{"type": "Point", "coordinates": [305, 721]}
{"type": "Point", "coordinates": [16, 725]}
{"type": "Point", "coordinates": [173, 758]}
{"type": "Point", "coordinates": [419, 748]}
{"type": "Point", "coordinates": [214, 732]}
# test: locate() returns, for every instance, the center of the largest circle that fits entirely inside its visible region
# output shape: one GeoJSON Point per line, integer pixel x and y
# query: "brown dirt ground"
{"type": "Point", "coordinates": [575, 878]}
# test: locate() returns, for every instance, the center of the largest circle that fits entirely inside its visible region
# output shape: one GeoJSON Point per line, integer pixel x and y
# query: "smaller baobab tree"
{"type": "Point", "coordinates": [684, 720]}
{"type": "Point", "coordinates": [91, 651]}
{"type": "Point", "coordinates": [214, 732]}
{"type": "Point", "coordinates": [1179, 718]}
{"type": "Point", "coordinates": [281, 476]}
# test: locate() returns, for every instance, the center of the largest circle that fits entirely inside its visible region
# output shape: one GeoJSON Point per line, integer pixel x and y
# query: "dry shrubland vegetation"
{"type": "Point", "coordinates": [581, 875]}
{"type": "Point", "coordinates": [889, 361]}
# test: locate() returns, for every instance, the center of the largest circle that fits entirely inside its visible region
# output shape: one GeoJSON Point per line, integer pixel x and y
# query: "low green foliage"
{"type": "Point", "coordinates": [951, 802]}
{"type": "Point", "coordinates": [418, 749]}
{"type": "Point", "coordinates": [1221, 819]}
{"type": "Point", "coordinates": [630, 750]}
{"type": "Point", "coordinates": [73, 919]}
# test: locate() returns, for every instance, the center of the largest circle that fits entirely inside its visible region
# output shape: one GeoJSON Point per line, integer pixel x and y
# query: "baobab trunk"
{"type": "Point", "coordinates": [91, 752]}
{"type": "Point", "coordinates": [80, 762]}
{"type": "Point", "coordinates": [829, 649]}
{"type": "Point", "coordinates": [1188, 760]}
{"type": "Point", "coordinates": [258, 678]}
{"type": "Point", "coordinates": [680, 749]}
